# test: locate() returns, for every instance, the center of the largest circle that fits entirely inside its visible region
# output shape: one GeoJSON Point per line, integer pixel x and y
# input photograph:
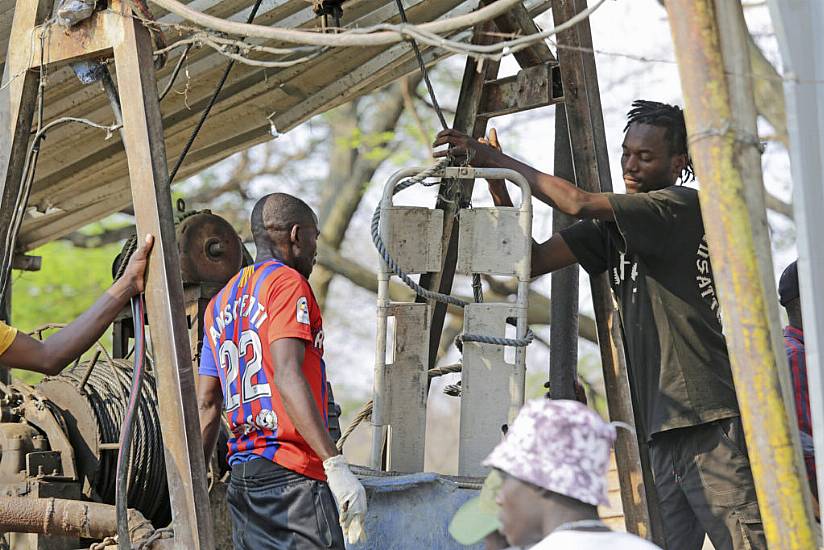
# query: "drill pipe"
{"type": "Point", "coordinates": [62, 517]}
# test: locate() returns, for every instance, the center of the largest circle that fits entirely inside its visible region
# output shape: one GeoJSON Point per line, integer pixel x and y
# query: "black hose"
{"type": "Point", "coordinates": [124, 454]}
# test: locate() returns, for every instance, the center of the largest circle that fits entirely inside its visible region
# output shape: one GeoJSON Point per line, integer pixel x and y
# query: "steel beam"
{"type": "Point", "coordinates": [563, 318]}
{"type": "Point", "coordinates": [151, 195]}
{"type": "Point", "coordinates": [591, 163]}
{"type": "Point", "coordinates": [732, 231]}
{"type": "Point", "coordinates": [798, 25]}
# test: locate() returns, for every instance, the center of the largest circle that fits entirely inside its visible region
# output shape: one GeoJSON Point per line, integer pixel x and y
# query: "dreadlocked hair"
{"type": "Point", "coordinates": [666, 116]}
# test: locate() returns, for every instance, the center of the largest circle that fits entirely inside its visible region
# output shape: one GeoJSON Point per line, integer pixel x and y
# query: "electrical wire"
{"type": "Point", "coordinates": [212, 100]}
{"type": "Point", "coordinates": [175, 72]}
{"type": "Point", "coordinates": [225, 47]}
{"type": "Point", "coordinates": [124, 454]}
{"type": "Point", "coordinates": [29, 169]}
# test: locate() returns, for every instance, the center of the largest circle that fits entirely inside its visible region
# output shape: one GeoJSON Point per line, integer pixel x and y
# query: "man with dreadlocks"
{"type": "Point", "coordinates": [651, 243]}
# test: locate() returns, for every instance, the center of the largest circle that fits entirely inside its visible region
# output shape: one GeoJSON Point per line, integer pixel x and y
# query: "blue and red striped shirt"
{"type": "Point", "coordinates": [796, 357]}
{"type": "Point", "coordinates": [261, 304]}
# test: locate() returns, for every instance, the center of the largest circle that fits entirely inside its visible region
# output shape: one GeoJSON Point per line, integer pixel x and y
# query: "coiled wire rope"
{"type": "Point", "coordinates": [107, 387]}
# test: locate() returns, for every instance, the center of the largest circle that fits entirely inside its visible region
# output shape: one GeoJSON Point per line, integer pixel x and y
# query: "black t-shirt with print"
{"type": "Point", "coordinates": [659, 268]}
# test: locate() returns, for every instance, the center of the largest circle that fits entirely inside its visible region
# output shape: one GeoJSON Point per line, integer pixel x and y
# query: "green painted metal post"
{"type": "Point", "coordinates": [715, 144]}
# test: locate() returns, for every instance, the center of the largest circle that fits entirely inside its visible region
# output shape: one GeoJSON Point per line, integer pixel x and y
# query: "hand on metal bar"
{"type": "Point", "coordinates": [480, 154]}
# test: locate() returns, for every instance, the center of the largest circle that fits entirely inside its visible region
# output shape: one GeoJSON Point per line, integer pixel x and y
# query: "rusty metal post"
{"type": "Point", "coordinates": [563, 319]}
{"type": "Point", "coordinates": [145, 151]}
{"type": "Point", "coordinates": [731, 232]}
{"type": "Point", "coordinates": [591, 161]}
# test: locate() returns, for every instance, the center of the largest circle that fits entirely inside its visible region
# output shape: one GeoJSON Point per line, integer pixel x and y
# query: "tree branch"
{"type": "Point", "coordinates": [340, 207]}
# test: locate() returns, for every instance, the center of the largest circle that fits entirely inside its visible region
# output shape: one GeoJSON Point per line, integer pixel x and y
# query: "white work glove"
{"type": "Point", "coordinates": [349, 496]}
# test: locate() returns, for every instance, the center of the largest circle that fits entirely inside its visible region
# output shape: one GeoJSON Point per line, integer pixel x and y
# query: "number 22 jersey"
{"type": "Point", "coordinates": [261, 304]}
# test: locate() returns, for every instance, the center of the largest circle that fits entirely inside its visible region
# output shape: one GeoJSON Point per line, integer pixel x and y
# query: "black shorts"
{"type": "Point", "coordinates": [275, 508]}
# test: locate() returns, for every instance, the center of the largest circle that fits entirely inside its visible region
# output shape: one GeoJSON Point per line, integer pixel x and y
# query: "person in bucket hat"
{"type": "Point", "coordinates": [477, 519]}
{"type": "Point", "coordinates": [553, 462]}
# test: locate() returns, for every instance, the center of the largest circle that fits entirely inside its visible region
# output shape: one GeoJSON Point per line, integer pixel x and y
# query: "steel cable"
{"type": "Point", "coordinates": [212, 100]}
{"type": "Point", "coordinates": [107, 391]}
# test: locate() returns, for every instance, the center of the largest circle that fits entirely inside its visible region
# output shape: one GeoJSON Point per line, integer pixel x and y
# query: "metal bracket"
{"type": "Point", "coordinates": [44, 464]}
{"type": "Point", "coordinates": [494, 241]}
{"type": "Point", "coordinates": [531, 88]}
{"type": "Point", "coordinates": [407, 388]}
{"type": "Point", "coordinates": [413, 237]}
{"type": "Point", "coordinates": [492, 390]}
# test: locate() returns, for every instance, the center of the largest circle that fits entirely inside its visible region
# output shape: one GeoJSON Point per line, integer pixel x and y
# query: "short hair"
{"type": "Point", "coordinates": [669, 117]}
{"type": "Point", "coordinates": [278, 211]}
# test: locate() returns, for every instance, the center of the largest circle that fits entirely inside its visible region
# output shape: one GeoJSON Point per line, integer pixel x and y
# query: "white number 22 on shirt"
{"type": "Point", "coordinates": [230, 356]}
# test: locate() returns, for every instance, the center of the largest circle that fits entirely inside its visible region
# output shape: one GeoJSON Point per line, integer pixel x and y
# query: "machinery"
{"type": "Point", "coordinates": [60, 438]}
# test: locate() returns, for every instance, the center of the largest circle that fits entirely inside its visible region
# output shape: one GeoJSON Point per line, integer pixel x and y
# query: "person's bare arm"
{"type": "Point", "coordinates": [58, 350]}
{"type": "Point", "coordinates": [297, 398]}
{"type": "Point", "coordinates": [557, 192]}
{"type": "Point", "coordinates": [551, 255]}
{"type": "Point", "coordinates": [209, 408]}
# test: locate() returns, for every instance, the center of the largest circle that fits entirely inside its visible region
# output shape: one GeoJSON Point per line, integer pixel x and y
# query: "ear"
{"type": "Point", "coordinates": [679, 163]}
{"type": "Point", "coordinates": [293, 234]}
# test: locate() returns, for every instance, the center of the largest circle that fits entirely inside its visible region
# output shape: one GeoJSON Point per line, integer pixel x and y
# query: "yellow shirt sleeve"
{"type": "Point", "coordinates": [7, 336]}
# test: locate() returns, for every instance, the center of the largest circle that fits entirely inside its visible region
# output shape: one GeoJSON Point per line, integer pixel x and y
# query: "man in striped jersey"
{"type": "Point", "coordinates": [262, 363]}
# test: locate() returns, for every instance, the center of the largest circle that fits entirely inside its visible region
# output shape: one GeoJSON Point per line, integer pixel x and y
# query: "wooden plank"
{"type": "Point", "coordinates": [18, 98]}
{"type": "Point", "coordinates": [530, 88]}
{"type": "Point", "coordinates": [143, 130]}
{"type": "Point", "coordinates": [87, 39]}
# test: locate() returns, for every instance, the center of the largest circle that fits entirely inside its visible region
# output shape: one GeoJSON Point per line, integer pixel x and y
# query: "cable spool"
{"type": "Point", "coordinates": [92, 399]}
{"type": "Point", "coordinates": [210, 249]}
